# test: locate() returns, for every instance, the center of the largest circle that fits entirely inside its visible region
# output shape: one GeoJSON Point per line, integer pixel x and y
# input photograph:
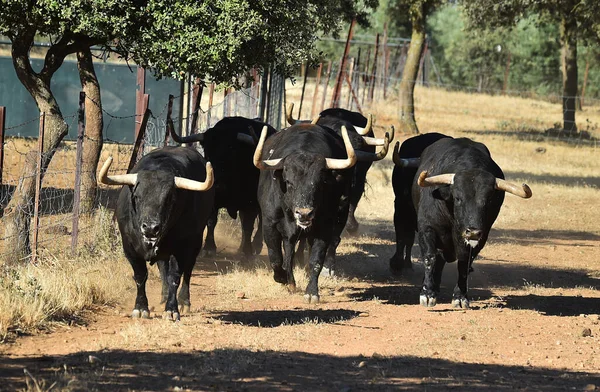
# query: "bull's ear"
{"type": "Point", "coordinates": [442, 193]}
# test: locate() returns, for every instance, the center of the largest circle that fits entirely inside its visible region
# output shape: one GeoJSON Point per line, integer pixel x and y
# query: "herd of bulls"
{"type": "Point", "coordinates": [304, 183]}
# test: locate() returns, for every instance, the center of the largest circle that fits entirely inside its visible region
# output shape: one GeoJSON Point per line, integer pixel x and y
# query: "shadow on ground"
{"type": "Point", "coordinates": [241, 370]}
{"type": "Point", "coordinates": [276, 318]}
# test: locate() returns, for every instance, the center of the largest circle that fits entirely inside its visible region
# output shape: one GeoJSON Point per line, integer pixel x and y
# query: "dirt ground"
{"type": "Point", "coordinates": [534, 322]}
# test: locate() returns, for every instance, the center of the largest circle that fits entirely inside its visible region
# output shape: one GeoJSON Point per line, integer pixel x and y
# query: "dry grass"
{"type": "Point", "coordinates": [59, 287]}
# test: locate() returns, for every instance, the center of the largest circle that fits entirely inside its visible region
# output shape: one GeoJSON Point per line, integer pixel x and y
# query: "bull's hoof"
{"type": "Point", "coordinates": [291, 287]}
{"type": "Point", "coordinates": [427, 301]}
{"type": "Point", "coordinates": [461, 303]}
{"type": "Point", "coordinates": [280, 276]}
{"type": "Point", "coordinates": [185, 309]}
{"type": "Point", "coordinates": [257, 248]}
{"type": "Point", "coordinates": [137, 313]}
{"type": "Point", "coordinates": [311, 298]}
{"type": "Point", "coordinates": [171, 316]}
{"type": "Point", "coordinates": [208, 253]}
{"type": "Point", "coordinates": [327, 271]}
{"type": "Point", "coordinates": [352, 229]}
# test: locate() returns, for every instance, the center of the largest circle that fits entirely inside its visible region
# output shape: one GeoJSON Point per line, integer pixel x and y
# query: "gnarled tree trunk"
{"type": "Point", "coordinates": [92, 145]}
{"type": "Point", "coordinates": [408, 123]}
{"type": "Point", "coordinates": [17, 214]}
{"type": "Point", "coordinates": [568, 40]}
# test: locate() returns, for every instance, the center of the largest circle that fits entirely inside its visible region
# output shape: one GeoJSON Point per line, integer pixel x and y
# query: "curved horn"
{"type": "Point", "coordinates": [373, 141]}
{"type": "Point", "coordinates": [523, 190]}
{"type": "Point", "coordinates": [442, 179]}
{"type": "Point", "coordinates": [192, 185]}
{"type": "Point", "coordinates": [269, 164]}
{"type": "Point", "coordinates": [197, 137]}
{"type": "Point", "coordinates": [315, 120]}
{"type": "Point", "coordinates": [392, 132]}
{"type": "Point", "coordinates": [120, 179]}
{"type": "Point", "coordinates": [404, 162]}
{"type": "Point", "coordinates": [288, 114]}
{"type": "Point", "coordinates": [339, 164]}
{"type": "Point", "coordinates": [242, 137]}
{"type": "Point", "coordinates": [369, 156]}
{"type": "Point", "coordinates": [367, 128]}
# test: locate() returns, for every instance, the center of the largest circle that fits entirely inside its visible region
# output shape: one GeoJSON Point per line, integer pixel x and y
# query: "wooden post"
{"type": "Point", "coordinates": [385, 59]}
{"type": "Point", "coordinates": [139, 99]}
{"type": "Point", "coordinates": [366, 76]}
{"type": "Point", "coordinates": [325, 86]}
{"type": "Point", "coordinates": [196, 98]}
{"type": "Point", "coordinates": [38, 188]}
{"type": "Point", "coordinates": [2, 126]}
{"type": "Point", "coordinates": [585, 79]}
{"type": "Point", "coordinates": [78, 166]}
{"type": "Point", "coordinates": [338, 84]}
{"type": "Point", "coordinates": [139, 141]}
{"type": "Point", "coordinates": [316, 93]}
{"type": "Point", "coordinates": [211, 92]}
{"type": "Point", "coordinates": [374, 69]}
{"type": "Point", "coordinates": [353, 94]}
{"type": "Point", "coordinates": [303, 90]}
{"type": "Point", "coordinates": [170, 126]}
{"type": "Point", "coordinates": [349, 77]}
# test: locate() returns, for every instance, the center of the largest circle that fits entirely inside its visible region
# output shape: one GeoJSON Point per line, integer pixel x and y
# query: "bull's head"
{"type": "Point", "coordinates": [303, 176]}
{"type": "Point", "coordinates": [152, 196]}
{"type": "Point", "coordinates": [471, 195]}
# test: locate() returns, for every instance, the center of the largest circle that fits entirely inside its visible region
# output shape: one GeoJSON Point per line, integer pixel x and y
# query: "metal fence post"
{"type": "Point", "coordinates": [139, 99]}
{"type": "Point", "coordinates": [2, 126]}
{"type": "Point", "coordinates": [170, 125]}
{"type": "Point", "coordinates": [303, 90]}
{"type": "Point", "coordinates": [38, 186]}
{"type": "Point", "coordinates": [78, 167]}
{"type": "Point", "coordinates": [338, 84]}
{"type": "Point", "coordinates": [316, 93]}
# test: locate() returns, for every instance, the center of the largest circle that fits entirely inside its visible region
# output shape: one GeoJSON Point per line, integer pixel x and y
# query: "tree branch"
{"type": "Point", "coordinates": [68, 44]}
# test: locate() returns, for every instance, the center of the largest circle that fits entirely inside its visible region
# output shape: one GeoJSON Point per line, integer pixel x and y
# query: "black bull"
{"type": "Point", "coordinates": [229, 145]}
{"type": "Point", "coordinates": [305, 179]}
{"type": "Point", "coordinates": [458, 195]}
{"type": "Point", "coordinates": [161, 212]}
{"type": "Point", "coordinates": [360, 131]}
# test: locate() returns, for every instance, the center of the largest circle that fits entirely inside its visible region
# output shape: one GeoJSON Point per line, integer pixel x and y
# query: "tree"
{"type": "Point", "coordinates": [219, 40]}
{"type": "Point", "coordinates": [417, 11]}
{"type": "Point", "coordinates": [576, 20]}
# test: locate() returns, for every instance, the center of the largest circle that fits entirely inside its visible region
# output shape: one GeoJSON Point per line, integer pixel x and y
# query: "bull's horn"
{"type": "Point", "coordinates": [339, 164]}
{"type": "Point", "coordinates": [364, 131]}
{"type": "Point", "coordinates": [315, 120]}
{"type": "Point", "coordinates": [197, 137]}
{"type": "Point", "coordinates": [288, 114]}
{"type": "Point", "coordinates": [442, 179]}
{"type": "Point", "coordinates": [374, 141]}
{"type": "Point", "coordinates": [242, 137]}
{"type": "Point", "coordinates": [523, 190]}
{"type": "Point", "coordinates": [192, 185]}
{"type": "Point", "coordinates": [120, 179]}
{"type": "Point", "coordinates": [392, 132]}
{"type": "Point", "coordinates": [269, 164]}
{"type": "Point", "coordinates": [370, 157]}
{"type": "Point", "coordinates": [404, 162]}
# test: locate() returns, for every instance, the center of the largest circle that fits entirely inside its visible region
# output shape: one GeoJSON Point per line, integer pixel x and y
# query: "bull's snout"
{"type": "Point", "coordinates": [150, 229]}
{"type": "Point", "coordinates": [472, 233]}
{"type": "Point", "coordinates": [304, 216]}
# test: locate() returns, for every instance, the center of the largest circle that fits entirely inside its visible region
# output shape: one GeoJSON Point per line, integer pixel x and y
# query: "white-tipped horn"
{"type": "Point", "coordinates": [442, 179]}
{"type": "Point", "coordinates": [339, 164]}
{"type": "Point", "coordinates": [365, 131]}
{"type": "Point", "coordinates": [120, 179]}
{"type": "Point", "coordinates": [257, 159]}
{"type": "Point", "coordinates": [374, 141]}
{"type": "Point", "coordinates": [523, 190]}
{"type": "Point", "coordinates": [404, 162]}
{"type": "Point", "coordinates": [193, 185]}
{"type": "Point", "coordinates": [288, 114]}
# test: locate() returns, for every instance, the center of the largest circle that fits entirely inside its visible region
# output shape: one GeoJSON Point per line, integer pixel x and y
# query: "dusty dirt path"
{"type": "Point", "coordinates": [534, 325]}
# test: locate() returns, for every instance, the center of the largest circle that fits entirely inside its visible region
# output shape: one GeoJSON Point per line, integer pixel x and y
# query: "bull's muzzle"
{"type": "Point", "coordinates": [472, 236]}
{"type": "Point", "coordinates": [304, 217]}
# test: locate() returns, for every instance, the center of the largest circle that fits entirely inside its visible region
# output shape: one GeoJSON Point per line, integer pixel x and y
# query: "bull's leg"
{"type": "Point", "coordinates": [140, 275]}
{"type": "Point", "coordinates": [459, 296]}
{"type": "Point", "coordinates": [164, 292]}
{"type": "Point", "coordinates": [405, 223]}
{"type": "Point", "coordinates": [289, 249]}
{"type": "Point", "coordinates": [257, 242]}
{"type": "Point", "coordinates": [210, 247]}
{"type": "Point", "coordinates": [356, 191]}
{"type": "Point", "coordinates": [247, 218]}
{"type": "Point", "coordinates": [352, 225]}
{"type": "Point", "coordinates": [188, 260]}
{"type": "Point", "coordinates": [300, 252]}
{"type": "Point", "coordinates": [317, 255]}
{"type": "Point", "coordinates": [434, 264]}
{"type": "Point", "coordinates": [396, 262]}
{"type": "Point", "coordinates": [173, 279]}
{"type": "Point", "coordinates": [340, 222]}
{"type": "Point", "coordinates": [273, 242]}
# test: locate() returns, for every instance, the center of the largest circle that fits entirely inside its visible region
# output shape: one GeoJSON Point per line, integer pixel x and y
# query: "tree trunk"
{"type": "Point", "coordinates": [18, 212]}
{"type": "Point", "coordinates": [92, 145]}
{"type": "Point", "coordinates": [408, 123]}
{"type": "Point", "coordinates": [568, 40]}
